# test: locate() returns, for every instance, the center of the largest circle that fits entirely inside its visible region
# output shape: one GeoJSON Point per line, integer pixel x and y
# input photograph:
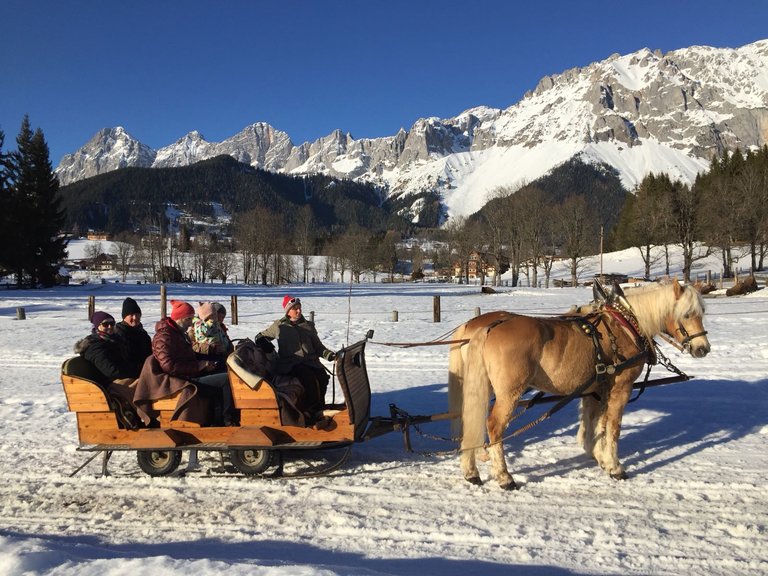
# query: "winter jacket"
{"type": "Point", "coordinates": [209, 337]}
{"type": "Point", "coordinates": [105, 352]}
{"type": "Point", "coordinates": [298, 343]}
{"type": "Point", "coordinates": [173, 351]}
{"type": "Point", "coordinates": [136, 343]}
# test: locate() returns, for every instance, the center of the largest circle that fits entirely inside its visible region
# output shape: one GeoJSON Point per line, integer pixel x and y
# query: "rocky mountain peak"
{"type": "Point", "coordinates": [639, 112]}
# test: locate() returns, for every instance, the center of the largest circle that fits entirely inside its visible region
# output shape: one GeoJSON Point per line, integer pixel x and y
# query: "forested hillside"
{"type": "Point", "coordinates": [134, 198]}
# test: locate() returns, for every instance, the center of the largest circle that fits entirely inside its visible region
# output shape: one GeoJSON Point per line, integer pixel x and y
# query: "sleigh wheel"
{"type": "Point", "coordinates": [158, 462]}
{"type": "Point", "coordinates": [250, 461]}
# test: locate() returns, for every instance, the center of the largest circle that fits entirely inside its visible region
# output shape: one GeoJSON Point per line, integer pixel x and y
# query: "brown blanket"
{"type": "Point", "coordinates": [154, 384]}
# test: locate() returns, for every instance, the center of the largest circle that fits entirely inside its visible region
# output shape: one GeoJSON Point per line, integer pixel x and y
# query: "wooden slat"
{"type": "Point", "coordinates": [245, 397]}
{"type": "Point", "coordinates": [260, 417]}
{"type": "Point", "coordinates": [168, 403]}
{"type": "Point", "coordinates": [153, 439]}
{"type": "Point", "coordinates": [83, 396]}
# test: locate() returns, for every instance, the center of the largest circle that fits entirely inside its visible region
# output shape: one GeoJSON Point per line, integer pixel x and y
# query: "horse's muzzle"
{"type": "Point", "coordinates": [700, 351]}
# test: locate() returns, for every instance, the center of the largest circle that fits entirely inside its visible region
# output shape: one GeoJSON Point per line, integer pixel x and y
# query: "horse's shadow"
{"type": "Point", "coordinates": [683, 419]}
{"type": "Point", "coordinates": [666, 424]}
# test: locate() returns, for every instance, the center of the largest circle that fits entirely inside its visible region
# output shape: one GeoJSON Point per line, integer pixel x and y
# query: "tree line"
{"type": "Point", "coordinates": [31, 214]}
{"type": "Point", "coordinates": [726, 209]}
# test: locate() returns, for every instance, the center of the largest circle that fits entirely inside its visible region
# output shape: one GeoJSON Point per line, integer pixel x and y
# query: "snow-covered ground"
{"type": "Point", "coordinates": [696, 501]}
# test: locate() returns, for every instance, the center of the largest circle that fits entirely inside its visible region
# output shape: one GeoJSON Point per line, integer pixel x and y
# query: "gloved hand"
{"type": "Point", "coordinates": [330, 356]}
{"type": "Point", "coordinates": [263, 343]}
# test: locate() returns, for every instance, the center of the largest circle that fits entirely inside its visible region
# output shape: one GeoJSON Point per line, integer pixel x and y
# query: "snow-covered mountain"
{"type": "Point", "coordinates": [640, 112]}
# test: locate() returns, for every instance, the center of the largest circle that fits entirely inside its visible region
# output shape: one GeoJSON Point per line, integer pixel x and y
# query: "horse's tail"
{"type": "Point", "coordinates": [456, 380]}
{"type": "Point", "coordinates": [476, 393]}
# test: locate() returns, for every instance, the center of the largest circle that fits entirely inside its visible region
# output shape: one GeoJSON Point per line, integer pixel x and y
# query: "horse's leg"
{"type": "Point", "coordinates": [498, 420]}
{"type": "Point", "coordinates": [606, 450]}
{"type": "Point", "coordinates": [455, 383]}
{"type": "Point", "coordinates": [589, 412]}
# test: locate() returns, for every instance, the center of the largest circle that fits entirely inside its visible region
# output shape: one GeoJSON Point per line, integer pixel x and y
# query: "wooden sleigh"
{"type": "Point", "coordinates": [256, 444]}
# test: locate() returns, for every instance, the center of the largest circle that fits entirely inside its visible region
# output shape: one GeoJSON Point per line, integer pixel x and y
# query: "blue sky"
{"type": "Point", "coordinates": [163, 68]}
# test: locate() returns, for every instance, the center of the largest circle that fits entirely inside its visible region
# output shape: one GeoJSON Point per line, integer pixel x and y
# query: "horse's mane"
{"type": "Point", "coordinates": [653, 303]}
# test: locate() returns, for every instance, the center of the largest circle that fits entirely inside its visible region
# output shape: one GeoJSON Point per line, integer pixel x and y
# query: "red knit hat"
{"type": "Point", "coordinates": [180, 310]}
{"type": "Point", "coordinates": [289, 302]}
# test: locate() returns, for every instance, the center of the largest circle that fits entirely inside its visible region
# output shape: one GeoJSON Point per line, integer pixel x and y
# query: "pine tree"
{"type": "Point", "coordinates": [36, 208]}
{"type": "Point", "coordinates": [6, 205]}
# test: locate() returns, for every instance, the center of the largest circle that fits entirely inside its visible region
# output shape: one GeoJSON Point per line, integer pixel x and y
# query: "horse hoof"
{"type": "Point", "coordinates": [475, 480]}
{"type": "Point", "coordinates": [510, 486]}
{"type": "Point", "coordinates": [620, 475]}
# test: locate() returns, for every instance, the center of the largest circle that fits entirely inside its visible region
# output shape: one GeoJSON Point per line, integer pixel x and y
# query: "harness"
{"type": "Point", "coordinates": [588, 325]}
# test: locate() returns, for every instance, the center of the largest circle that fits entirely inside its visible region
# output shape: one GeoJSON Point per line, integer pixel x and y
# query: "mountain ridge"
{"type": "Point", "coordinates": [640, 112]}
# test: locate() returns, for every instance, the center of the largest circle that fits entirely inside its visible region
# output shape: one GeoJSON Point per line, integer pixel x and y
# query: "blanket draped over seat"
{"type": "Point", "coordinates": [154, 384]}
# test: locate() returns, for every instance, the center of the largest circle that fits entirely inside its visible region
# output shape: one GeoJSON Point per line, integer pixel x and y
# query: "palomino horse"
{"type": "Point", "coordinates": [602, 353]}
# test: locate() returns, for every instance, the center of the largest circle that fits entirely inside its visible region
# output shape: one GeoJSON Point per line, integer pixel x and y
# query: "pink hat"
{"type": "Point", "coordinates": [289, 302]}
{"type": "Point", "coordinates": [180, 310]}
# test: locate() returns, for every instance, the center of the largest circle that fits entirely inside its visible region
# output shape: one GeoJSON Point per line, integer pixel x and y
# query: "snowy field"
{"type": "Point", "coordinates": [696, 501]}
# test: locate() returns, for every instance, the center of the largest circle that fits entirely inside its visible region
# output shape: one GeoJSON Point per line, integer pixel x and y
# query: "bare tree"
{"type": "Point", "coordinates": [304, 238]}
{"type": "Point", "coordinates": [688, 210]}
{"type": "Point", "coordinates": [534, 217]}
{"type": "Point", "coordinates": [93, 250]}
{"type": "Point", "coordinates": [578, 232]}
{"type": "Point", "coordinates": [124, 249]}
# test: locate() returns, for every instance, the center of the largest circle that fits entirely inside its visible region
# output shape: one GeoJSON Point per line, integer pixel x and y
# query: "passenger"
{"type": "Point", "coordinates": [105, 351]}
{"type": "Point", "coordinates": [299, 351]}
{"type": "Point", "coordinates": [221, 313]}
{"type": "Point", "coordinates": [137, 343]}
{"type": "Point", "coordinates": [207, 336]}
{"type": "Point", "coordinates": [173, 351]}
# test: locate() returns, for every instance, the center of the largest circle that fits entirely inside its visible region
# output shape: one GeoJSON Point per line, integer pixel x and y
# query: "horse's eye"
{"type": "Point", "coordinates": [687, 316]}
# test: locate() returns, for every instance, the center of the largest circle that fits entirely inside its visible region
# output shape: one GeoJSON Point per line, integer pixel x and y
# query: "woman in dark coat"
{"type": "Point", "coordinates": [104, 350]}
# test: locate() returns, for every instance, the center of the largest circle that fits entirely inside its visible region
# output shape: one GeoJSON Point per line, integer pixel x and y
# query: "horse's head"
{"type": "Point", "coordinates": [686, 322]}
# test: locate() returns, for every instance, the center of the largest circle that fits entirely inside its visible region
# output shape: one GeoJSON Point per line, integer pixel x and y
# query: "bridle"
{"type": "Point", "coordinates": [685, 344]}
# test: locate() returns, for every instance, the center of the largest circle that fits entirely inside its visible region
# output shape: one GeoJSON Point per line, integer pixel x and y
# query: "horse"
{"type": "Point", "coordinates": [596, 356]}
{"type": "Point", "coordinates": [457, 356]}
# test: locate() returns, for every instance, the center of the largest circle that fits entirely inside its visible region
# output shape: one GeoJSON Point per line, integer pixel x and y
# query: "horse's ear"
{"type": "Point", "coordinates": [617, 289]}
{"type": "Point", "coordinates": [677, 287]}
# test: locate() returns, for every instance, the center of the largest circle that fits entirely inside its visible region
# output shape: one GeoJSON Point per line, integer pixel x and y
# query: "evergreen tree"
{"type": "Point", "coordinates": [36, 207]}
{"type": "Point", "coordinates": [5, 209]}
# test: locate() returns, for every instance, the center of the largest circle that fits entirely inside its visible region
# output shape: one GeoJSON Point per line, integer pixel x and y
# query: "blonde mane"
{"type": "Point", "coordinates": [652, 304]}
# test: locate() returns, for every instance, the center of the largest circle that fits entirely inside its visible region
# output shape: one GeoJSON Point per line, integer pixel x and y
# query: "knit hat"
{"type": "Point", "coordinates": [289, 302]}
{"type": "Point", "coordinates": [130, 307]}
{"type": "Point", "coordinates": [180, 310]}
{"type": "Point", "coordinates": [99, 317]}
{"type": "Point", "coordinates": [219, 309]}
{"type": "Point", "coordinates": [205, 311]}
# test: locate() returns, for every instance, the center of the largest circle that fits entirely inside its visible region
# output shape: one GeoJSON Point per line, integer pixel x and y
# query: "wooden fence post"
{"type": "Point", "coordinates": [233, 310]}
{"type": "Point", "coordinates": [311, 315]}
{"type": "Point", "coordinates": [477, 311]}
{"type": "Point", "coordinates": [436, 308]}
{"type": "Point", "coordinates": [91, 306]}
{"type": "Point", "coordinates": [394, 315]}
{"type": "Point", "coordinates": [21, 314]}
{"type": "Point", "coordinates": [163, 304]}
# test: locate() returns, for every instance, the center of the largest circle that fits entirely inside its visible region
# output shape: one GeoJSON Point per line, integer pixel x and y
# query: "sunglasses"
{"type": "Point", "coordinates": [294, 302]}
{"type": "Point", "coordinates": [107, 323]}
